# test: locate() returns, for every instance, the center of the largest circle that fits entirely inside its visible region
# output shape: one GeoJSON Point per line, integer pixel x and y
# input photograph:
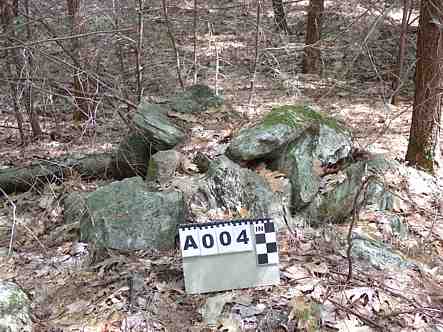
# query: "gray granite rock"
{"type": "Point", "coordinates": [15, 308]}
{"type": "Point", "coordinates": [229, 187]}
{"type": "Point", "coordinates": [162, 165]}
{"type": "Point", "coordinates": [125, 215]}
{"type": "Point", "coordinates": [378, 254]}
{"type": "Point", "coordinates": [153, 124]}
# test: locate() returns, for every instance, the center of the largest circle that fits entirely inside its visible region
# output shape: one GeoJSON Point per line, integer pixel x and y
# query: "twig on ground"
{"type": "Point", "coordinates": [291, 231]}
{"type": "Point", "coordinates": [14, 208]}
{"type": "Point", "coordinates": [360, 316]}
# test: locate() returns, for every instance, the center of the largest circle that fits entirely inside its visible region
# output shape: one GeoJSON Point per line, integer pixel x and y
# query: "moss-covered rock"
{"type": "Point", "coordinates": [295, 116]}
{"type": "Point", "coordinates": [281, 127]}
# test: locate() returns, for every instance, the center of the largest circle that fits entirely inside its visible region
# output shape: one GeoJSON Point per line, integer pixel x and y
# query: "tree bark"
{"type": "Point", "coordinates": [423, 148]}
{"type": "Point", "coordinates": [21, 179]}
{"type": "Point", "coordinates": [396, 84]}
{"type": "Point", "coordinates": [280, 16]}
{"type": "Point", "coordinates": [83, 84]}
{"type": "Point", "coordinates": [312, 55]}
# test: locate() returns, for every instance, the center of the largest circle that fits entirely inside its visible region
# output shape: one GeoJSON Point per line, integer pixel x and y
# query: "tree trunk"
{"type": "Point", "coordinates": [312, 55]}
{"type": "Point", "coordinates": [27, 69]}
{"type": "Point", "coordinates": [280, 16]}
{"type": "Point", "coordinates": [82, 85]}
{"type": "Point", "coordinates": [423, 147]}
{"type": "Point", "coordinates": [7, 14]}
{"type": "Point", "coordinates": [396, 84]}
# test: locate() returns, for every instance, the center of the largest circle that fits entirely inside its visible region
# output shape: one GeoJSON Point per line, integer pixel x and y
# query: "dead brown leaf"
{"type": "Point", "coordinates": [275, 179]}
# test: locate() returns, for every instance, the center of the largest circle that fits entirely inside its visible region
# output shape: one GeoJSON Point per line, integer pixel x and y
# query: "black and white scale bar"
{"type": "Point", "coordinates": [223, 237]}
{"type": "Point", "coordinates": [235, 222]}
{"type": "Point", "coordinates": [266, 243]}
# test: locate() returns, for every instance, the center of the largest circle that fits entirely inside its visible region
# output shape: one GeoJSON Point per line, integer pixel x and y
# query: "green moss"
{"type": "Point", "coordinates": [294, 115]}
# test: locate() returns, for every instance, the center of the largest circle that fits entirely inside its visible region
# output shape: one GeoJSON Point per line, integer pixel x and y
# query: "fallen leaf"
{"type": "Point", "coordinates": [296, 272]}
{"type": "Point", "coordinates": [317, 168]}
{"type": "Point", "coordinates": [183, 116]}
{"type": "Point", "coordinates": [275, 179]}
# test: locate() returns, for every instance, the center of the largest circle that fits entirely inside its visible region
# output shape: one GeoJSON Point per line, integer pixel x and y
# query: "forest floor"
{"type": "Point", "coordinates": [96, 298]}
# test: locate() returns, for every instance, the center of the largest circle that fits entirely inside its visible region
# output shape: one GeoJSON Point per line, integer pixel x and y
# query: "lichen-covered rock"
{"type": "Point", "coordinates": [131, 157]}
{"type": "Point", "coordinates": [283, 126]}
{"type": "Point", "coordinates": [300, 161]}
{"type": "Point", "coordinates": [266, 140]}
{"type": "Point", "coordinates": [15, 309]}
{"type": "Point", "coordinates": [197, 98]}
{"type": "Point", "coordinates": [231, 188]}
{"type": "Point", "coordinates": [261, 142]}
{"type": "Point", "coordinates": [153, 132]}
{"type": "Point", "coordinates": [125, 215]}
{"type": "Point", "coordinates": [334, 201]}
{"type": "Point", "coordinates": [153, 124]}
{"type": "Point", "coordinates": [163, 165]}
{"type": "Point", "coordinates": [378, 254]}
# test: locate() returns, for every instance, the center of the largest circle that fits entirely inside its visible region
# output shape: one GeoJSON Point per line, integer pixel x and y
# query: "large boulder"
{"type": "Point", "coordinates": [337, 192]}
{"type": "Point", "coordinates": [230, 188]}
{"type": "Point", "coordinates": [266, 140]}
{"type": "Point", "coordinates": [153, 124]}
{"type": "Point", "coordinates": [125, 215]}
{"type": "Point", "coordinates": [15, 308]}
{"type": "Point", "coordinates": [298, 140]}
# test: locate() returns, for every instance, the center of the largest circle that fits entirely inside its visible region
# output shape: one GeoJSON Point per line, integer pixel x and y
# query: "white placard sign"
{"type": "Point", "coordinates": [222, 255]}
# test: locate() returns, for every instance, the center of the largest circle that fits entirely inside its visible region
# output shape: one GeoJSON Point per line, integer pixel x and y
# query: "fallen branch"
{"type": "Point", "coordinates": [360, 316]}
{"type": "Point", "coordinates": [19, 179]}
